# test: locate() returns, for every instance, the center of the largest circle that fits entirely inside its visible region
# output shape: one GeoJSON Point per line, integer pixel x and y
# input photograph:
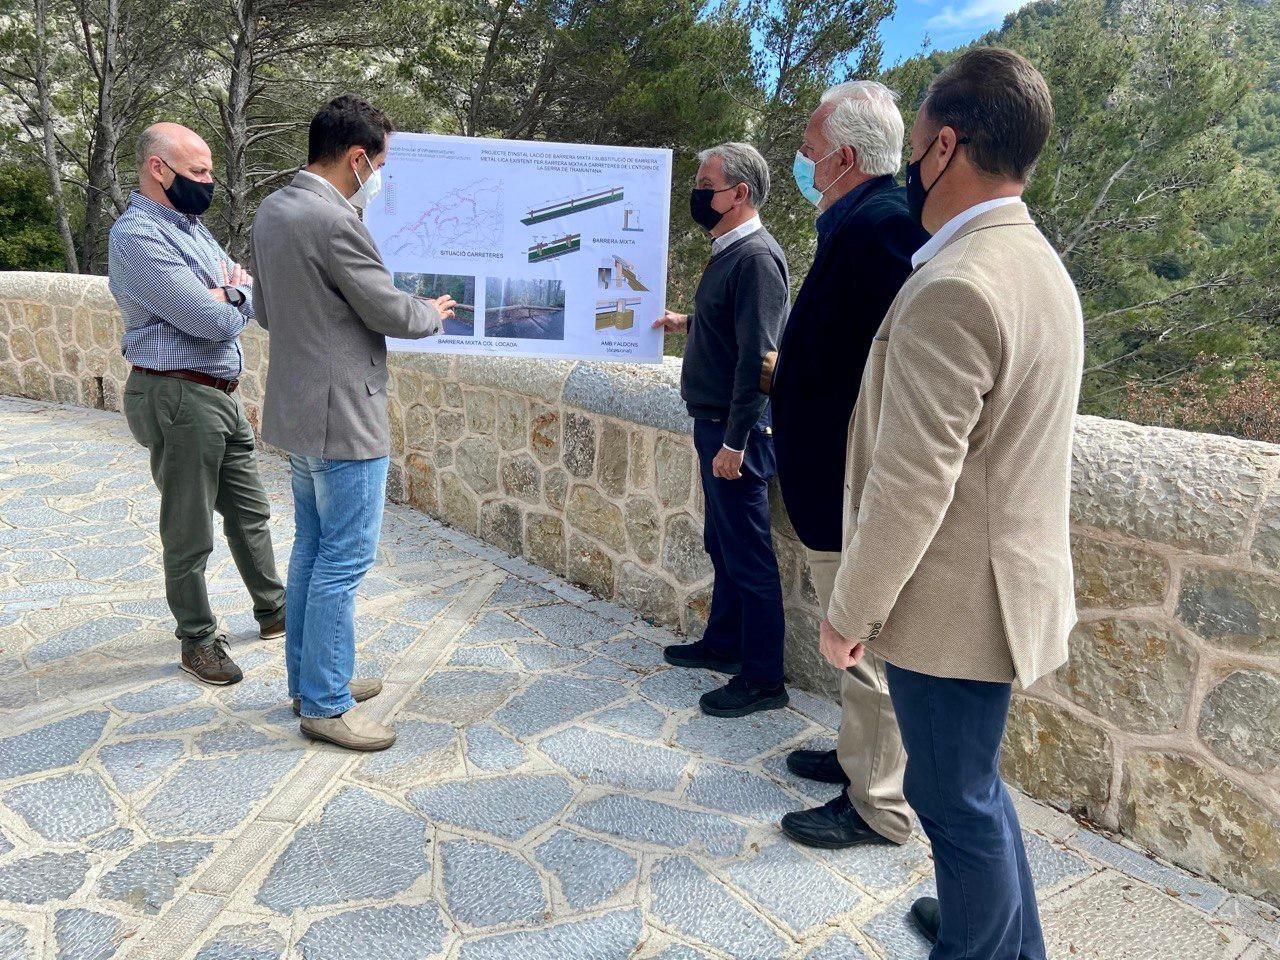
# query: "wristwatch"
{"type": "Point", "coordinates": [235, 296]}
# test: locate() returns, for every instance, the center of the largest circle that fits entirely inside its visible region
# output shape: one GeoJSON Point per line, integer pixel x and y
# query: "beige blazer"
{"type": "Point", "coordinates": [957, 558]}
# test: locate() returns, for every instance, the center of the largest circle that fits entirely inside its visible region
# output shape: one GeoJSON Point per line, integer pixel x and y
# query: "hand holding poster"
{"type": "Point", "coordinates": [550, 250]}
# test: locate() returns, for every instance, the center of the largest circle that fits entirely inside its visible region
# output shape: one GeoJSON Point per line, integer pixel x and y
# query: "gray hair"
{"type": "Point", "coordinates": [152, 142]}
{"type": "Point", "coordinates": [865, 116]}
{"type": "Point", "coordinates": [742, 164]}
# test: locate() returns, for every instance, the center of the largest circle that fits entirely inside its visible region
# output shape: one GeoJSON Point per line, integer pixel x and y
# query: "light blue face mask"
{"type": "Point", "coordinates": [802, 168]}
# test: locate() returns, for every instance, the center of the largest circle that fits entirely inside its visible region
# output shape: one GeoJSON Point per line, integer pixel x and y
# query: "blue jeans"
{"type": "Point", "coordinates": [337, 515]}
{"type": "Point", "coordinates": [746, 618]}
{"type": "Point", "coordinates": [952, 730]}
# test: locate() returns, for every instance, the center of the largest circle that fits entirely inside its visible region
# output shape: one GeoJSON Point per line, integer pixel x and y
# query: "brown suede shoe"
{"type": "Point", "coordinates": [361, 690]}
{"type": "Point", "coordinates": [273, 630]}
{"type": "Point", "coordinates": [353, 731]}
{"type": "Point", "coordinates": [211, 662]}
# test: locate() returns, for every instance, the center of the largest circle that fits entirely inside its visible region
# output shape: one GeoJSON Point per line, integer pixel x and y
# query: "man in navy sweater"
{"type": "Point", "coordinates": [852, 149]}
{"type": "Point", "coordinates": [739, 310]}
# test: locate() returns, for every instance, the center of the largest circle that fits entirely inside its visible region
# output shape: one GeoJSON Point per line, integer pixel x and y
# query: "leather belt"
{"type": "Point", "coordinates": [195, 376]}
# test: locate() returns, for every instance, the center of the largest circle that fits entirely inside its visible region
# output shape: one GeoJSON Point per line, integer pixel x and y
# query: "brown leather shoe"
{"type": "Point", "coordinates": [211, 662]}
{"type": "Point", "coordinates": [361, 690]}
{"type": "Point", "coordinates": [273, 630]}
{"type": "Point", "coordinates": [353, 731]}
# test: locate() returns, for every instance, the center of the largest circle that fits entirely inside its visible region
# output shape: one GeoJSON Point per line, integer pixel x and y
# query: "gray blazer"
{"type": "Point", "coordinates": [328, 303]}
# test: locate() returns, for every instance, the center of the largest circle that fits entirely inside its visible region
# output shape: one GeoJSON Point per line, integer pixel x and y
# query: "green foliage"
{"type": "Point", "coordinates": [28, 238]}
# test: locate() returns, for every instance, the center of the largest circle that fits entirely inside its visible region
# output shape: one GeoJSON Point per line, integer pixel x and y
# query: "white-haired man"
{"type": "Point", "coordinates": [739, 310]}
{"type": "Point", "coordinates": [852, 148]}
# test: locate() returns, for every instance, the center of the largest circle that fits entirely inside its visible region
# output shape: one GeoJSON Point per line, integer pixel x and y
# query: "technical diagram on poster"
{"type": "Point", "coordinates": [550, 249]}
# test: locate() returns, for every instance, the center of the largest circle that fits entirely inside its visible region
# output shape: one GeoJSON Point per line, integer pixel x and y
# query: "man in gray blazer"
{"type": "Point", "coordinates": [328, 303]}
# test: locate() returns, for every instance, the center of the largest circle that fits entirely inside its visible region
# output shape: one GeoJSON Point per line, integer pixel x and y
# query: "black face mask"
{"type": "Point", "coordinates": [188, 196]}
{"type": "Point", "coordinates": [704, 215]}
{"type": "Point", "coordinates": [917, 193]}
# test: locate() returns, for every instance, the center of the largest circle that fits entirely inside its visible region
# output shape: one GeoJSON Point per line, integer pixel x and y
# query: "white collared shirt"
{"type": "Point", "coordinates": [332, 189]}
{"type": "Point", "coordinates": [737, 233]}
{"type": "Point", "coordinates": [952, 227]}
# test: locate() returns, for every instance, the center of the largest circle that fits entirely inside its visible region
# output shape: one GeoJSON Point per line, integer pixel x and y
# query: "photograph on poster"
{"type": "Point", "coordinates": [429, 286]}
{"type": "Point", "coordinates": [524, 309]}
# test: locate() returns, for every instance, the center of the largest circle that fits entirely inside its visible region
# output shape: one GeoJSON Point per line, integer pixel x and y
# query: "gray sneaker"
{"type": "Point", "coordinates": [353, 731]}
{"type": "Point", "coordinates": [211, 662]}
{"type": "Point", "coordinates": [361, 690]}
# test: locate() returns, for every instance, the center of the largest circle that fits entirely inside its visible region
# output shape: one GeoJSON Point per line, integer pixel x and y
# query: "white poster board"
{"type": "Point", "coordinates": [550, 249]}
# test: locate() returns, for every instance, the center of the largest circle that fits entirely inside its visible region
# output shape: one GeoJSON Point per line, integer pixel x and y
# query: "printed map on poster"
{"type": "Point", "coordinates": [550, 249]}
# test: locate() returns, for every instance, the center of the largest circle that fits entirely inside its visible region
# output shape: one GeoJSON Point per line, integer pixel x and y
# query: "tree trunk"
{"type": "Point", "coordinates": [103, 187]}
{"type": "Point", "coordinates": [234, 114]}
{"type": "Point", "coordinates": [52, 165]}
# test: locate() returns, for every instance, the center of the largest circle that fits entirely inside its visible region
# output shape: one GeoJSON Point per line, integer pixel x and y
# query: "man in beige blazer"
{"type": "Point", "coordinates": [956, 566]}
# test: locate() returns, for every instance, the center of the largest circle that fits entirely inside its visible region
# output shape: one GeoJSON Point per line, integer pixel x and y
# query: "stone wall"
{"type": "Point", "coordinates": [1165, 725]}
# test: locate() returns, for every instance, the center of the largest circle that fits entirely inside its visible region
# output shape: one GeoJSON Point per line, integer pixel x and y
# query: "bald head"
{"type": "Point", "coordinates": [166, 148]}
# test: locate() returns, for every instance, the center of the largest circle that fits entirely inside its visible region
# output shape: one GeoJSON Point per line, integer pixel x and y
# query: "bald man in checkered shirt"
{"type": "Point", "coordinates": [184, 303]}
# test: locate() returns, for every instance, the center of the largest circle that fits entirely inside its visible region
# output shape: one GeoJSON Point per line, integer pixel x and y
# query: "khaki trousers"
{"type": "Point", "coordinates": [870, 746]}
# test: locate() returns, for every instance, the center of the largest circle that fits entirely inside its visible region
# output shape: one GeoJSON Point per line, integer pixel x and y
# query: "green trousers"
{"type": "Point", "coordinates": [203, 459]}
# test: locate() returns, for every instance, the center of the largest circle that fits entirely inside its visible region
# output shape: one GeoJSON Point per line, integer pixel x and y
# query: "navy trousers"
{"type": "Point", "coordinates": [746, 617]}
{"type": "Point", "coordinates": [952, 731]}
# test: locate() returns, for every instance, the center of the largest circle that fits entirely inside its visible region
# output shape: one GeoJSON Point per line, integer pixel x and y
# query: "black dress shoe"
{"type": "Point", "coordinates": [927, 916]}
{"type": "Point", "coordinates": [737, 698]}
{"type": "Point", "coordinates": [833, 826]}
{"type": "Point", "coordinates": [700, 656]}
{"type": "Point", "coordinates": [820, 765]}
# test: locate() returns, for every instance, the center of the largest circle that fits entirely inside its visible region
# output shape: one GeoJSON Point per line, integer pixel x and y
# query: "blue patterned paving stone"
{"type": "Point", "coordinates": [94, 563]}
{"type": "Point", "coordinates": [381, 933]}
{"type": "Point", "coordinates": [421, 750]}
{"type": "Point", "coordinates": [361, 848]}
{"type": "Point", "coordinates": [63, 809]}
{"type": "Point", "coordinates": [792, 888]}
{"type": "Point", "coordinates": [1051, 866]}
{"type": "Point", "coordinates": [494, 657]}
{"type": "Point", "coordinates": [568, 625]}
{"type": "Point", "coordinates": [232, 738]}
{"type": "Point", "coordinates": [690, 901]}
{"type": "Point", "coordinates": [839, 947]}
{"type": "Point", "coordinates": [44, 877]}
{"type": "Point", "coordinates": [252, 659]}
{"type": "Point", "coordinates": [171, 722]}
{"type": "Point", "coordinates": [85, 935]}
{"type": "Point", "coordinates": [396, 639]}
{"type": "Point", "coordinates": [589, 871]}
{"type": "Point", "coordinates": [740, 738]}
{"type": "Point", "coordinates": [741, 793]}
{"type": "Point", "coordinates": [894, 933]}
{"type": "Point", "coordinates": [1202, 895]}
{"type": "Point", "coordinates": [638, 719]}
{"type": "Point", "coordinates": [496, 626]}
{"type": "Point", "coordinates": [13, 941]}
{"type": "Point", "coordinates": [153, 609]}
{"type": "Point", "coordinates": [552, 700]}
{"type": "Point", "coordinates": [485, 886]}
{"type": "Point", "coordinates": [463, 696]}
{"type": "Point", "coordinates": [158, 696]}
{"type": "Point", "coordinates": [244, 942]}
{"type": "Point", "coordinates": [213, 796]}
{"type": "Point", "coordinates": [614, 762]}
{"type": "Point", "coordinates": [51, 746]}
{"type": "Point", "coordinates": [84, 637]}
{"type": "Point", "coordinates": [878, 866]}
{"type": "Point", "coordinates": [544, 656]}
{"type": "Point", "coordinates": [610, 936]}
{"type": "Point", "coordinates": [680, 689]}
{"type": "Point", "coordinates": [377, 586]}
{"type": "Point", "coordinates": [421, 609]}
{"type": "Point", "coordinates": [119, 839]}
{"type": "Point", "coordinates": [635, 818]}
{"type": "Point", "coordinates": [632, 651]}
{"type": "Point", "coordinates": [491, 749]}
{"type": "Point", "coordinates": [682, 953]}
{"type": "Point", "coordinates": [820, 710]}
{"type": "Point", "coordinates": [515, 592]}
{"type": "Point", "coordinates": [5, 845]}
{"type": "Point", "coordinates": [507, 807]}
{"type": "Point", "coordinates": [135, 764]}
{"type": "Point", "coordinates": [606, 669]}
{"type": "Point", "coordinates": [148, 878]}
{"type": "Point", "coordinates": [258, 693]}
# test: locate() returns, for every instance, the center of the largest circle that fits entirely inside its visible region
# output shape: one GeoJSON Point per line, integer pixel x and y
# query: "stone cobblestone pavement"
{"type": "Point", "coordinates": [554, 792]}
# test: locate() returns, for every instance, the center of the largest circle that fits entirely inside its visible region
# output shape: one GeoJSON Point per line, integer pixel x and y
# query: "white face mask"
{"type": "Point", "coordinates": [369, 188]}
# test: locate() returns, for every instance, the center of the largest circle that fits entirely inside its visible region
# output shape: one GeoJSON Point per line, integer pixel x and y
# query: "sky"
{"type": "Point", "coordinates": [946, 23]}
